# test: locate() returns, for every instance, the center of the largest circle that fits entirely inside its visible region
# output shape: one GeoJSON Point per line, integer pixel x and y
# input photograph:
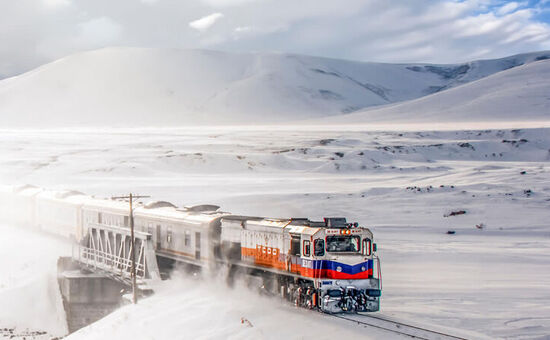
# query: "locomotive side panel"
{"type": "Point", "coordinates": [260, 242]}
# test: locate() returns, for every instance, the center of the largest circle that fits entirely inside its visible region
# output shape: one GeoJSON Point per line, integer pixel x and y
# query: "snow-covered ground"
{"type": "Point", "coordinates": [491, 280]}
{"type": "Point", "coordinates": [29, 295]}
{"type": "Point", "coordinates": [193, 309]}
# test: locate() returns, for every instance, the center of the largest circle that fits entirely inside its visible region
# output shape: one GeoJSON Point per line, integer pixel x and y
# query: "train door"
{"type": "Point", "coordinates": [159, 237]}
{"type": "Point", "coordinates": [306, 262]}
{"type": "Point", "coordinates": [294, 253]}
{"type": "Point", "coordinates": [197, 246]}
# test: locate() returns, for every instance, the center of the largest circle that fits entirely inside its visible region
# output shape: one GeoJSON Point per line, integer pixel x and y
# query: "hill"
{"type": "Point", "coordinates": [521, 94]}
{"type": "Point", "coordinates": [166, 87]}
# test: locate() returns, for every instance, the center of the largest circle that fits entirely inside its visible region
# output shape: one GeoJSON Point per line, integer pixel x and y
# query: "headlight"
{"type": "Point", "coordinates": [363, 268]}
{"type": "Point", "coordinates": [338, 269]}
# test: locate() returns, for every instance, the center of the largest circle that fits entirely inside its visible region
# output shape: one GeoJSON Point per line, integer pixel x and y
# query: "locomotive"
{"type": "Point", "coordinates": [329, 265]}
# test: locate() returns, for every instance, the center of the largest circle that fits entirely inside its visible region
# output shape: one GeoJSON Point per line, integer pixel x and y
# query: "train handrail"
{"type": "Point", "coordinates": [379, 271]}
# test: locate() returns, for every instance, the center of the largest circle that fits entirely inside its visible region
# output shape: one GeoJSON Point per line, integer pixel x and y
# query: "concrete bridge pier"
{"type": "Point", "coordinates": [87, 297]}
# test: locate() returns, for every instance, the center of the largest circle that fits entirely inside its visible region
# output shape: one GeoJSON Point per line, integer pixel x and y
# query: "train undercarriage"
{"type": "Point", "coordinates": [332, 296]}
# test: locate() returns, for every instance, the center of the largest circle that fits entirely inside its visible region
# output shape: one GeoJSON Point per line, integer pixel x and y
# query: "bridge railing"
{"type": "Point", "coordinates": [108, 248]}
{"type": "Point", "coordinates": [96, 259]}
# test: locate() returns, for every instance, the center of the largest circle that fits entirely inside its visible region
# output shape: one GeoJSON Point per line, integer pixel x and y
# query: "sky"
{"type": "Point", "coordinates": [35, 32]}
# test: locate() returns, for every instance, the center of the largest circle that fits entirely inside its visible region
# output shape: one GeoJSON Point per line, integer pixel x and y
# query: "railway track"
{"type": "Point", "coordinates": [398, 327]}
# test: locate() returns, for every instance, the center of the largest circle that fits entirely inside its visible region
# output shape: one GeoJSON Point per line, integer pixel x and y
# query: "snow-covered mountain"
{"type": "Point", "coordinates": [521, 94]}
{"type": "Point", "coordinates": [133, 86]}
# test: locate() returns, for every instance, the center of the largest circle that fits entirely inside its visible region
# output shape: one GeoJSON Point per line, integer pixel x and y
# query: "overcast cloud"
{"type": "Point", "coordinates": [33, 32]}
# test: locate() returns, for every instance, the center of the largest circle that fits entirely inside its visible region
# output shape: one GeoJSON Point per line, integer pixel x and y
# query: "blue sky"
{"type": "Point", "coordinates": [34, 32]}
{"type": "Point", "coordinates": [543, 7]}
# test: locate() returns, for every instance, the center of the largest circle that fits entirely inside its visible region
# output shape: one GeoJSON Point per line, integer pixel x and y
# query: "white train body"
{"type": "Point", "coordinates": [60, 213]}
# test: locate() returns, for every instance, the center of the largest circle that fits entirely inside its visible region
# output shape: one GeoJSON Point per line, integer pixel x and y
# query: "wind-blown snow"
{"type": "Point", "coordinates": [164, 87]}
{"type": "Point", "coordinates": [193, 309]}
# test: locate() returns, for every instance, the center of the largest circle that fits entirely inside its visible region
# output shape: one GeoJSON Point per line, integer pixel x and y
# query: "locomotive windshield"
{"type": "Point", "coordinates": [343, 244]}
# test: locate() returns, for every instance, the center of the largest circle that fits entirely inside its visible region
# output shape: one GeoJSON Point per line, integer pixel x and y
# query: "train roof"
{"type": "Point", "coordinates": [158, 204]}
{"type": "Point", "coordinates": [69, 196]}
{"type": "Point", "coordinates": [105, 203]}
{"type": "Point", "coordinates": [289, 222]}
{"type": "Point", "coordinates": [159, 209]}
{"type": "Point", "coordinates": [27, 190]}
{"type": "Point", "coordinates": [175, 214]}
{"type": "Point", "coordinates": [292, 225]}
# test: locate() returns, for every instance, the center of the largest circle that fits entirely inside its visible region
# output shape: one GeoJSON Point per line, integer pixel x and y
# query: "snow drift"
{"type": "Point", "coordinates": [137, 87]}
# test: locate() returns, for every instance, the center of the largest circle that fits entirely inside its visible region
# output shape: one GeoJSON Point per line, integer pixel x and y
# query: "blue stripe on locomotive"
{"type": "Point", "coordinates": [332, 265]}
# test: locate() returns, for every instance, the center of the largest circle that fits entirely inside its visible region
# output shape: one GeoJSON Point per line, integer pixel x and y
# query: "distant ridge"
{"type": "Point", "coordinates": [170, 87]}
{"type": "Point", "coordinates": [521, 94]}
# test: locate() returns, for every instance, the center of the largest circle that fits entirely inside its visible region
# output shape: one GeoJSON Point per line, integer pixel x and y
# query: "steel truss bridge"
{"type": "Point", "coordinates": [108, 249]}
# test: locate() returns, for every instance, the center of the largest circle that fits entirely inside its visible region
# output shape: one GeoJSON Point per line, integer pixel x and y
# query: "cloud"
{"type": "Point", "coordinates": [368, 30]}
{"type": "Point", "coordinates": [206, 22]}
{"type": "Point", "coordinates": [242, 29]}
{"type": "Point", "coordinates": [57, 3]}
{"type": "Point", "coordinates": [227, 3]}
{"type": "Point", "coordinates": [98, 31]}
{"type": "Point", "coordinates": [509, 7]}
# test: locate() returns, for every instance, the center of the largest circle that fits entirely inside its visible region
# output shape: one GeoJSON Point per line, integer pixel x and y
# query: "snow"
{"type": "Point", "coordinates": [168, 87]}
{"type": "Point", "coordinates": [491, 281]}
{"type": "Point", "coordinates": [472, 137]}
{"type": "Point", "coordinates": [29, 295]}
{"type": "Point", "coordinates": [521, 94]}
{"type": "Point", "coordinates": [189, 309]}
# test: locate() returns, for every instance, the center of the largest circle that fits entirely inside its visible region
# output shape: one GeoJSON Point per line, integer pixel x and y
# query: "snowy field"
{"type": "Point", "coordinates": [31, 305]}
{"type": "Point", "coordinates": [490, 280]}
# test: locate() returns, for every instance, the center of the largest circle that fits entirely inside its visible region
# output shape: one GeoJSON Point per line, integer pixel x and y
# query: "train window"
{"type": "Point", "coordinates": [343, 244]}
{"type": "Point", "coordinates": [126, 219]}
{"type": "Point", "coordinates": [295, 246]}
{"type": "Point", "coordinates": [99, 218]}
{"type": "Point", "coordinates": [307, 248]}
{"type": "Point", "coordinates": [187, 238]}
{"type": "Point", "coordinates": [169, 235]}
{"type": "Point", "coordinates": [319, 245]}
{"type": "Point", "coordinates": [367, 249]}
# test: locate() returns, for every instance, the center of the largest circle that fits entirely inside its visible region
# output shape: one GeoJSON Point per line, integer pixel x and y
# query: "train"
{"type": "Point", "coordinates": [329, 265]}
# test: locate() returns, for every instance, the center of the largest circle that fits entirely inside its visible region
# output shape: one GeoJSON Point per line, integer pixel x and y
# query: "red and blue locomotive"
{"type": "Point", "coordinates": [328, 265]}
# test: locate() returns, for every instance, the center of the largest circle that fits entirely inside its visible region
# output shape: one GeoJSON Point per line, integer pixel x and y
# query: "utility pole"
{"type": "Point", "coordinates": [131, 198]}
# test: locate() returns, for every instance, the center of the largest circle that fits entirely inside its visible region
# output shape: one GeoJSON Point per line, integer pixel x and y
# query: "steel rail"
{"type": "Point", "coordinates": [398, 327]}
